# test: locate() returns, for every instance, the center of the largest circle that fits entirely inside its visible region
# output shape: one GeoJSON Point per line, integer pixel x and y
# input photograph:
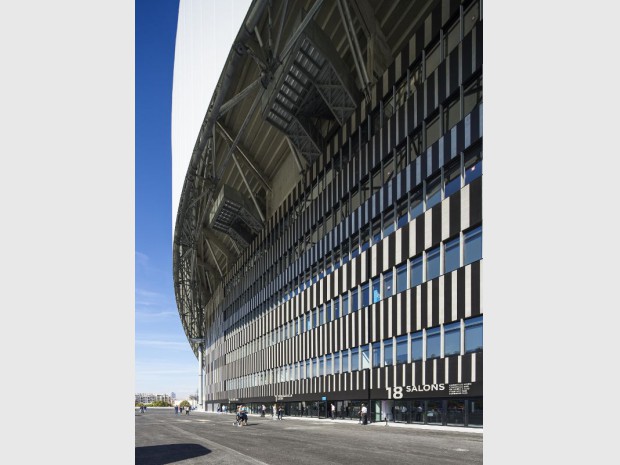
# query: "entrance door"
{"type": "Point", "coordinates": [322, 409]}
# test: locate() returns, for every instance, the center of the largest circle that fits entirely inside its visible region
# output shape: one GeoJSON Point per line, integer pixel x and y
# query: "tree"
{"type": "Point", "coordinates": [184, 403]}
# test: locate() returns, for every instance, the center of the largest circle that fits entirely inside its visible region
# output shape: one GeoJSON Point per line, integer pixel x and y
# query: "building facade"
{"type": "Point", "coordinates": [362, 285]}
{"type": "Point", "coordinates": [145, 398]}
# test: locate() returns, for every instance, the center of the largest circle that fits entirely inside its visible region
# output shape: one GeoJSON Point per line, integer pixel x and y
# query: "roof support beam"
{"type": "Point", "coordinates": [378, 53]}
{"type": "Point", "coordinates": [247, 185]}
{"type": "Point", "coordinates": [246, 158]}
{"type": "Point", "coordinates": [354, 45]}
{"type": "Point", "coordinates": [237, 98]}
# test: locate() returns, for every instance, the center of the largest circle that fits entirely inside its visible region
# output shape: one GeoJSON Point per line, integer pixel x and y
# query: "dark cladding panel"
{"type": "Point", "coordinates": [475, 288]}
{"type": "Point", "coordinates": [475, 202]}
{"type": "Point", "coordinates": [447, 298]}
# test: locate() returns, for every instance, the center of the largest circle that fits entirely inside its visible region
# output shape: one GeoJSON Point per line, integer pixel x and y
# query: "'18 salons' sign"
{"type": "Point", "coordinates": [434, 390]}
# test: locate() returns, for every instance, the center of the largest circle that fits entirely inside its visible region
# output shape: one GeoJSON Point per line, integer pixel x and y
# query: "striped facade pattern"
{"type": "Point", "coordinates": [253, 303]}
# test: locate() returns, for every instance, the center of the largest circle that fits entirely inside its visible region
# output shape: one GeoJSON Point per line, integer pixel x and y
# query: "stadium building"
{"type": "Point", "coordinates": [328, 236]}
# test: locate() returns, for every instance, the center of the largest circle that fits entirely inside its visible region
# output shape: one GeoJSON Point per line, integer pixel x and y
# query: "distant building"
{"type": "Point", "coordinates": [150, 398]}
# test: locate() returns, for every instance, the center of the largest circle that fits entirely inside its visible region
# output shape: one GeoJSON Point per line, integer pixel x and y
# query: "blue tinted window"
{"type": "Point", "coordinates": [401, 349]}
{"type": "Point", "coordinates": [321, 367]}
{"type": "Point", "coordinates": [365, 357]}
{"type": "Point", "coordinates": [322, 315]}
{"type": "Point", "coordinates": [387, 284]}
{"type": "Point", "coordinates": [315, 367]}
{"type": "Point", "coordinates": [308, 374]}
{"type": "Point", "coordinates": [388, 229]}
{"type": "Point", "coordinates": [433, 343]}
{"type": "Point", "coordinates": [402, 220]}
{"type": "Point", "coordinates": [388, 352]}
{"type": "Point", "coordinates": [345, 361]}
{"type": "Point", "coordinates": [376, 354]}
{"type": "Point", "coordinates": [355, 359]}
{"type": "Point", "coordinates": [433, 192]}
{"type": "Point", "coordinates": [473, 334]}
{"type": "Point", "coordinates": [401, 278]}
{"type": "Point", "coordinates": [432, 263]}
{"type": "Point", "coordinates": [452, 339]}
{"type": "Point", "coordinates": [416, 346]}
{"type": "Point", "coordinates": [472, 245]}
{"type": "Point", "coordinates": [354, 301]}
{"type": "Point", "coordinates": [345, 304]}
{"type": "Point", "coordinates": [365, 296]}
{"type": "Point", "coordinates": [417, 206]}
{"type": "Point", "coordinates": [376, 290]}
{"type": "Point", "coordinates": [473, 167]}
{"type": "Point", "coordinates": [328, 365]}
{"type": "Point", "coordinates": [452, 179]}
{"type": "Point", "coordinates": [416, 271]}
{"type": "Point", "coordinates": [337, 362]}
{"type": "Point", "coordinates": [453, 255]}
{"type": "Point", "coordinates": [336, 308]}
{"type": "Point", "coordinates": [328, 311]}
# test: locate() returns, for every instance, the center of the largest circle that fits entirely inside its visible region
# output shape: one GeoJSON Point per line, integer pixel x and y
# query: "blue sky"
{"type": "Point", "coordinates": [164, 362]}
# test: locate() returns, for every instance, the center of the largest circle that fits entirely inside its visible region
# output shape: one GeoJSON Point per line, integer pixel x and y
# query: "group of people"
{"type": "Point", "coordinates": [178, 409]}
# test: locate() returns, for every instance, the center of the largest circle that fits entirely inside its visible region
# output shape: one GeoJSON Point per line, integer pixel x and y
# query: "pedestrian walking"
{"type": "Point", "coordinates": [280, 412]}
{"type": "Point", "coordinates": [333, 412]}
{"type": "Point", "coordinates": [263, 409]}
{"type": "Point", "coordinates": [364, 413]}
{"type": "Point", "coordinates": [176, 409]}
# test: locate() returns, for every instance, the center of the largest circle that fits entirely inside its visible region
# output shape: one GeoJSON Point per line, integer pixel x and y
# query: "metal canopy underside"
{"type": "Point", "coordinates": [290, 78]}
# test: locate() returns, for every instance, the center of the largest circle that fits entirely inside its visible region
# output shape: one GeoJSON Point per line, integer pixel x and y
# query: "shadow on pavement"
{"type": "Point", "coordinates": [169, 453]}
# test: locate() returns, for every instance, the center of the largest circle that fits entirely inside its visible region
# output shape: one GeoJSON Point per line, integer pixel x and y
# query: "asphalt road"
{"type": "Point", "coordinates": [206, 438]}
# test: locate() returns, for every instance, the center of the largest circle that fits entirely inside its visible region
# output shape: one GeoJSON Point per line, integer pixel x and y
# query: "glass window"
{"type": "Point", "coordinates": [416, 346]}
{"type": "Point", "coordinates": [355, 359]}
{"type": "Point", "coordinates": [322, 315]}
{"type": "Point", "coordinates": [388, 352]}
{"type": "Point", "coordinates": [328, 365]}
{"type": "Point", "coordinates": [401, 278]}
{"type": "Point", "coordinates": [321, 367]}
{"type": "Point", "coordinates": [315, 367]}
{"type": "Point", "coordinates": [432, 60]}
{"type": "Point", "coordinates": [452, 37]}
{"type": "Point", "coordinates": [472, 245]}
{"type": "Point", "coordinates": [354, 302]}
{"type": "Point", "coordinates": [328, 312]}
{"type": "Point", "coordinates": [388, 223]}
{"type": "Point", "coordinates": [452, 255]}
{"type": "Point", "coordinates": [336, 308]}
{"type": "Point", "coordinates": [365, 356]}
{"type": "Point", "coordinates": [376, 290]}
{"type": "Point", "coordinates": [452, 179]}
{"type": "Point", "coordinates": [315, 318]}
{"type": "Point", "coordinates": [308, 372]}
{"type": "Point", "coordinates": [473, 165]}
{"type": "Point", "coordinates": [387, 284]}
{"type": "Point", "coordinates": [432, 263]}
{"type": "Point", "coordinates": [337, 362]}
{"type": "Point", "coordinates": [308, 323]}
{"type": "Point", "coordinates": [345, 304]}
{"type": "Point", "coordinates": [473, 334]}
{"type": "Point", "coordinates": [401, 349]}
{"type": "Point", "coordinates": [433, 192]}
{"type": "Point", "coordinates": [452, 339]}
{"type": "Point", "coordinates": [433, 343]}
{"type": "Point", "coordinates": [416, 270]}
{"type": "Point", "coordinates": [471, 17]}
{"type": "Point", "coordinates": [433, 131]}
{"type": "Point", "coordinates": [376, 354]}
{"type": "Point", "coordinates": [472, 95]}
{"type": "Point", "coordinates": [345, 361]}
{"type": "Point", "coordinates": [417, 206]}
{"type": "Point", "coordinates": [365, 296]}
